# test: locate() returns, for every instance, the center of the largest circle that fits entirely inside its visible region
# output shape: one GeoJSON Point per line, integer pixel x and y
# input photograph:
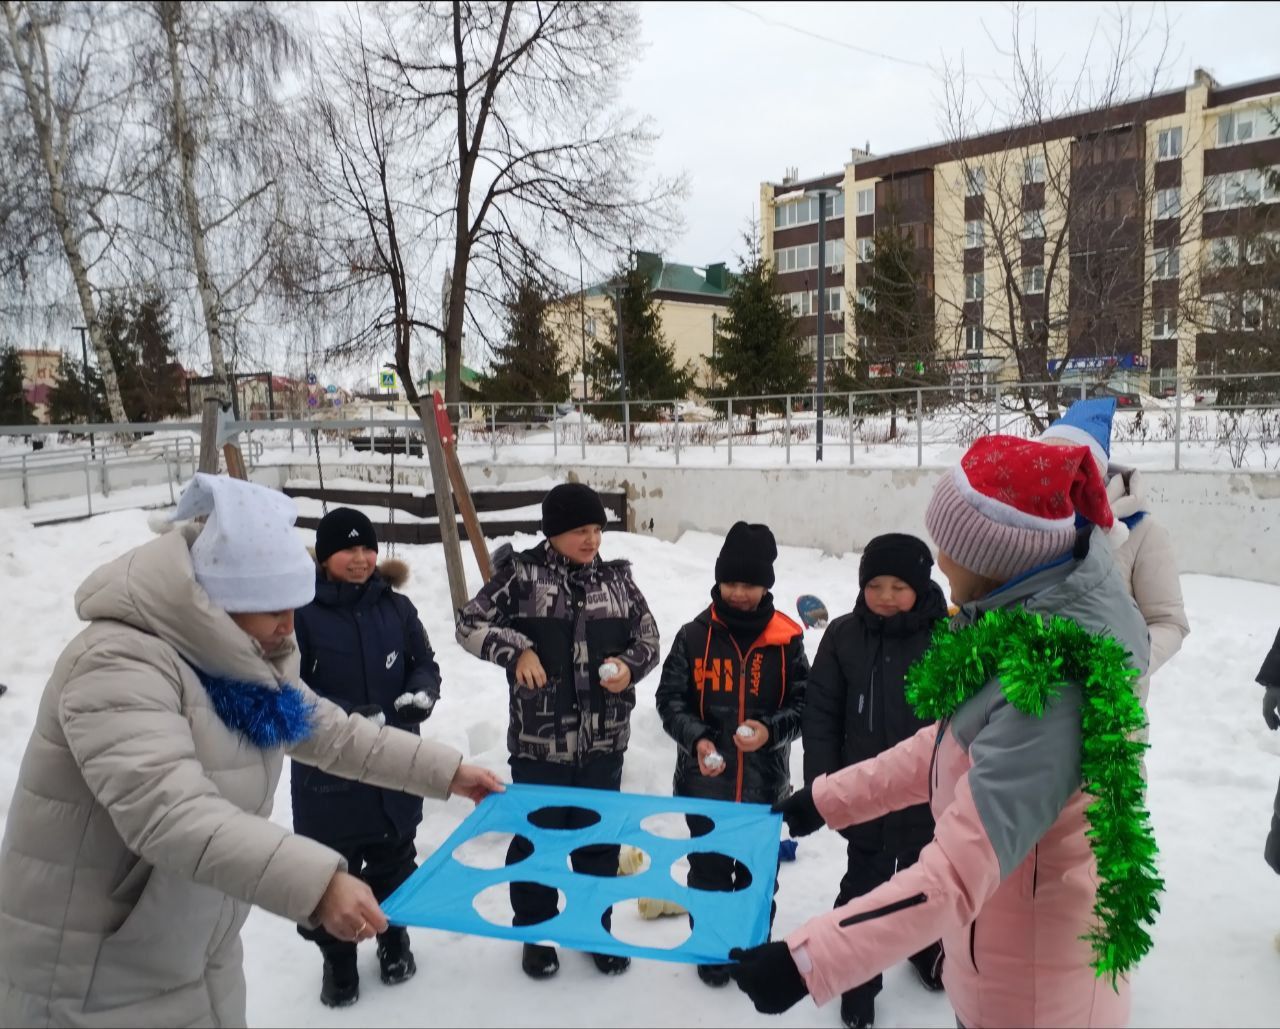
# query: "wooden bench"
{"type": "Point", "coordinates": [418, 532]}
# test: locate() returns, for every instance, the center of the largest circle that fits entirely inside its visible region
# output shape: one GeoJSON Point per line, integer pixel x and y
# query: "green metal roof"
{"type": "Point", "coordinates": [669, 277]}
{"type": "Point", "coordinates": [436, 379]}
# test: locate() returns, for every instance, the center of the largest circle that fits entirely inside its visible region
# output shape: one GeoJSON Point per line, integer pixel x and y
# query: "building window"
{"type": "Point", "coordinates": [1251, 311]}
{"type": "Point", "coordinates": [1167, 263]}
{"type": "Point", "coordinates": [804, 211]}
{"type": "Point", "coordinates": [973, 286]}
{"type": "Point", "coordinates": [866, 249]}
{"type": "Point", "coordinates": [805, 256]}
{"type": "Point", "coordinates": [1236, 127]}
{"type": "Point", "coordinates": [1224, 252]}
{"type": "Point", "coordinates": [867, 201]}
{"type": "Point", "coordinates": [1033, 279]}
{"type": "Point", "coordinates": [1164, 323]}
{"type": "Point", "coordinates": [1033, 169]}
{"type": "Point", "coordinates": [1169, 143]}
{"type": "Point", "coordinates": [1218, 310]}
{"type": "Point", "coordinates": [1262, 248]}
{"type": "Point", "coordinates": [1215, 197]}
{"type": "Point", "coordinates": [973, 338]}
{"type": "Point", "coordinates": [1168, 203]}
{"type": "Point", "coordinates": [973, 233]}
{"type": "Point", "coordinates": [1033, 224]}
{"type": "Point", "coordinates": [866, 300]}
{"type": "Point", "coordinates": [1271, 184]}
{"type": "Point", "coordinates": [975, 182]}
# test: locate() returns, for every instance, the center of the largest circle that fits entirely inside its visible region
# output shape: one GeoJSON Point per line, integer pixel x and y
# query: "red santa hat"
{"type": "Point", "coordinates": [1011, 504]}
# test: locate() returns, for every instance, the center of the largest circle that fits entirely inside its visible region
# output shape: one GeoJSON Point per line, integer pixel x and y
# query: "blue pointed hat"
{"type": "Point", "coordinates": [1087, 423]}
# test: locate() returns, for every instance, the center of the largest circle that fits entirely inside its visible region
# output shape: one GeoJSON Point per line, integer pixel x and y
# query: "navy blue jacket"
{"type": "Point", "coordinates": [360, 645]}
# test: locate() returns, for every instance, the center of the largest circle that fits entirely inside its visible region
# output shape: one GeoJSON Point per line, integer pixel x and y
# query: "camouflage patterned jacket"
{"type": "Point", "coordinates": [574, 617]}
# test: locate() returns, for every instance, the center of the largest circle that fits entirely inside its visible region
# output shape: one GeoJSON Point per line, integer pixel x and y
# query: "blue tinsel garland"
{"type": "Point", "coordinates": [266, 717]}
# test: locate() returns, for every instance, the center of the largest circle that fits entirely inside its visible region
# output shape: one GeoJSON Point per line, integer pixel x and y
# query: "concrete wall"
{"type": "Point", "coordinates": [1222, 523]}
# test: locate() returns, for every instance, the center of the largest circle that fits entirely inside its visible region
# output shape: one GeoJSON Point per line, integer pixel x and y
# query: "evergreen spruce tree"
{"type": "Point", "coordinates": [72, 402]}
{"type": "Point", "coordinates": [757, 352]}
{"type": "Point", "coordinates": [651, 370]}
{"type": "Point", "coordinates": [894, 323]}
{"type": "Point", "coordinates": [139, 337]}
{"type": "Point", "coordinates": [14, 408]}
{"type": "Point", "coordinates": [527, 366]}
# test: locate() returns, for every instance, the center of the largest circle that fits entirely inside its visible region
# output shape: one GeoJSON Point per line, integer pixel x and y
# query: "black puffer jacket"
{"type": "Point", "coordinates": [856, 707]}
{"type": "Point", "coordinates": [360, 646]}
{"type": "Point", "coordinates": [1269, 678]}
{"type": "Point", "coordinates": [711, 684]}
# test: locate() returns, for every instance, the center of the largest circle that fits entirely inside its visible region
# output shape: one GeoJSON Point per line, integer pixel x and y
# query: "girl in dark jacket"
{"type": "Point", "coordinates": [731, 696]}
{"type": "Point", "coordinates": [856, 709]}
{"type": "Point", "coordinates": [364, 648]}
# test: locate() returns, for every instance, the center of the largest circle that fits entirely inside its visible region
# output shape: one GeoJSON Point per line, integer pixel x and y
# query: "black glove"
{"type": "Point", "coordinates": [800, 813]}
{"type": "Point", "coordinates": [414, 708]}
{"type": "Point", "coordinates": [768, 975]}
{"type": "Point", "coordinates": [1270, 701]}
{"type": "Point", "coordinates": [372, 712]}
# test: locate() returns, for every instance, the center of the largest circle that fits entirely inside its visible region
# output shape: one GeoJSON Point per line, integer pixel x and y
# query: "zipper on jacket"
{"type": "Point", "coordinates": [742, 706]}
{"type": "Point", "coordinates": [933, 760]}
{"type": "Point", "coordinates": [871, 703]}
{"type": "Point", "coordinates": [914, 900]}
{"type": "Point", "coordinates": [1035, 870]}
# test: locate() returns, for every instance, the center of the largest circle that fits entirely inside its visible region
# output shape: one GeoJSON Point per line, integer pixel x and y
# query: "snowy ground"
{"type": "Point", "coordinates": [1213, 773]}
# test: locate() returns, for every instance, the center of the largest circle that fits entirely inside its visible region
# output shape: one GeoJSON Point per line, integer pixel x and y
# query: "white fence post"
{"type": "Point", "coordinates": [729, 422]}
{"type": "Point", "coordinates": [919, 428]}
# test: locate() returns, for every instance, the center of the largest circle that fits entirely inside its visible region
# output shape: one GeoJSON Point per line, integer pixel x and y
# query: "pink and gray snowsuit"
{"type": "Point", "coordinates": [1009, 881]}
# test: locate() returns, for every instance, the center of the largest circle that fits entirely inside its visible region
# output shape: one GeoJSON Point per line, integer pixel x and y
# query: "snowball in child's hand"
{"type": "Point", "coordinates": [746, 732]}
{"type": "Point", "coordinates": [423, 699]}
{"type": "Point", "coordinates": [609, 670]}
{"type": "Point", "coordinates": [713, 760]}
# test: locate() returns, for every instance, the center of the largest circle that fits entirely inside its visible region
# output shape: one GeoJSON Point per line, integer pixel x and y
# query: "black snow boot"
{"type": "Point", "coordinates": [539, 962]}
{"type": "Point", "coordinates": [340, 986]}
{"type": "Point", "coordinates": [395, 959]}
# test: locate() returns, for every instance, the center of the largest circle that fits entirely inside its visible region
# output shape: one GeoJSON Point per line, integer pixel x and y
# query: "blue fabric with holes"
{"type": "Point", "coordinates": [441, 894]}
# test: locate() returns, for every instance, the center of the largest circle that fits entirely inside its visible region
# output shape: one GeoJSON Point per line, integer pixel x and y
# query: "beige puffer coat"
{"type": "Point", "coordinates": [1149, 567]}
{"type": "Point", "coordinates": [138, 834]}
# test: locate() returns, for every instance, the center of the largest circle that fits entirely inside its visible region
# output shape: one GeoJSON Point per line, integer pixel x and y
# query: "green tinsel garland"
{"type": "Point", "coordinates": [1034, 657]}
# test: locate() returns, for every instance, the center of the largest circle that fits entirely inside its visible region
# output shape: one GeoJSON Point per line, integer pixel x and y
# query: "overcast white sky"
{"type": "Point", "coordinates": [737, 100]}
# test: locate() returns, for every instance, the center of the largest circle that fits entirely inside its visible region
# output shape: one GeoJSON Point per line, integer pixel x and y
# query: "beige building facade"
{"type": "Point", "coordinates": [690, 300]}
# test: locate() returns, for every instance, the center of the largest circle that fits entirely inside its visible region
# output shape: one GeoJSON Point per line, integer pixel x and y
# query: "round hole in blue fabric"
{"type": "Point", "coordinates": [493, 903]}
{"type": "Point", "coordinates": [492, 850]}
{"type": "Point", "coordinates": [566, 818]}
{"type": "Point", "coordinates": [671, 825]}
{"type": "Point", "coordinates": [584, 856]}
{"type": "Point", "coordinates": [711, 871]}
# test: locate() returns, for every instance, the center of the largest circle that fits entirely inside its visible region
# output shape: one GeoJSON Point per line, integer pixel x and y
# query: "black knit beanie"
{"type": "Point", "coordinates": [897, 554]}
{"type": "Point", "coordinates": [747, 555]}
{"type": "Point", "coordinates": [341, 528]}
{"type": "Point", "coordinates": [571, 505]}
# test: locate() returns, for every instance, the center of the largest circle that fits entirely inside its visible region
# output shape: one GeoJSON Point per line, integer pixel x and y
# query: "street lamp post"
{"type": "Point", "coordinates": [822, 195]}
{"type": "Point", "coordinates": [582, 311]}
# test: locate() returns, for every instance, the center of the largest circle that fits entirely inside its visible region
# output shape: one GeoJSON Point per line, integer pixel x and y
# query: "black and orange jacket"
{"type": "Point", "coordinates": [710, 686]}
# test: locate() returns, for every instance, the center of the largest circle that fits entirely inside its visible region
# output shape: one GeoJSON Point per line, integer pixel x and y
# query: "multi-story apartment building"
{"type": "Point", "coordinates": [1128, 238]}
